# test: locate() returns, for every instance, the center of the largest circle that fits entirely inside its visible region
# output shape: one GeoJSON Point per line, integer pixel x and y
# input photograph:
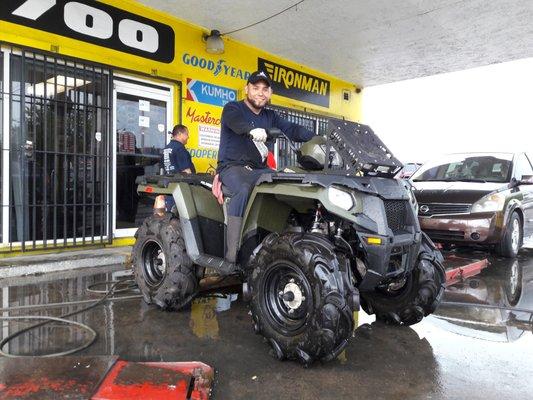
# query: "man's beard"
{"type": "Point", "coordinates": [255, 104]}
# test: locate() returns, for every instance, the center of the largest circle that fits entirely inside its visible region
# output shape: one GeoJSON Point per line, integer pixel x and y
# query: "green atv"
{"type": "Point", "coordinates": [318, 242]}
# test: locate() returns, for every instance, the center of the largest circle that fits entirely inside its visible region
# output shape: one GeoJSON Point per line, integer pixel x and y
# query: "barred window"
{"type": "Point", "coordinates": [59, 150]}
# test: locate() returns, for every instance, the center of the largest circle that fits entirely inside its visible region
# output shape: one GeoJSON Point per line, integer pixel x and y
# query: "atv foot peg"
{"type": "Point", "coordinates": [227, 268]}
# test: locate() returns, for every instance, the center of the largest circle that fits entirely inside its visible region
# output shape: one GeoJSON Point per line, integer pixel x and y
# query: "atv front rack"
{"type": "Point", "coordinates": [366, 184]}
{"type": "Point", "coordinates": [361, 149]}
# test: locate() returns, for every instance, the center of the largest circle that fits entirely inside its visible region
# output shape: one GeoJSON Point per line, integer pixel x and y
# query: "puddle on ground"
{"type": "Point", "coordinates": [504, 289]}
{"type": "Point", "coordinates": [441, 357]}
{"type": "Point", "coordinates": [495, 305]}
{"type": "Point", "coordinates": [204, 310]}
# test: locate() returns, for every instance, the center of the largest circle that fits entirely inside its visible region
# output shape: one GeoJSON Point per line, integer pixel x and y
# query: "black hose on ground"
{"type": "Point", "coordinates": [47, 320]}
{"type": "Point", "coordinates": [61, 318]}
{"type": "Point", "coordinates": [129, 284]}
{"type": "Point", "coordinates": [66, 303]}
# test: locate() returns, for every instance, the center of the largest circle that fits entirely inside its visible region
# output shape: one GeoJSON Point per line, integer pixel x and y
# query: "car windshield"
{"type": "Point", "coordinates": [467, 168]}
{"type": "Point", "coordinates": [410, 168]}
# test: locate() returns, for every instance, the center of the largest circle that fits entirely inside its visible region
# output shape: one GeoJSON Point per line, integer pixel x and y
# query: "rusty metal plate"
{"type": "Point", "coordinates": [52, 378]}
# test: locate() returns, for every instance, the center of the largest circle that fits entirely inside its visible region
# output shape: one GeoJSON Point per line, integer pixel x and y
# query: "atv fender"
{"type": "Point", "coordinates": [186, 210]}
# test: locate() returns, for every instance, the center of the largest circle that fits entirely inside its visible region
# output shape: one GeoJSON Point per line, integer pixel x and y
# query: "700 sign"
{"type": "Point", "coordinates": [95, 23]}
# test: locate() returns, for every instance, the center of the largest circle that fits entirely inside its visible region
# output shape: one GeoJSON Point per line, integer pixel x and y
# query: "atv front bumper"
{"type": "Point", "coordinates": [391, 258]}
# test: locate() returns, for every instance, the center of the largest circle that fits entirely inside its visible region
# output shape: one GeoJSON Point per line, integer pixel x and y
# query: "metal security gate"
{"type": "Point", "coordinates": [55, 151]}
{"type": "Point", "coordinates": [313, 122]}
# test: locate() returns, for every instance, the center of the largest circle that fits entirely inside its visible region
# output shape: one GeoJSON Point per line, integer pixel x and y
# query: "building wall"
{"type": "Point", "coordinates": [134, 41]}
{"type": "Point", "coordinates": [190, 63]}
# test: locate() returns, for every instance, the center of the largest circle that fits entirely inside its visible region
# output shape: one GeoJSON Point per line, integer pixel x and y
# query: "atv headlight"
{"type": "Point", "coordinates": [489, 203]}
{"type": "Point", "coordinates": [340, 198]}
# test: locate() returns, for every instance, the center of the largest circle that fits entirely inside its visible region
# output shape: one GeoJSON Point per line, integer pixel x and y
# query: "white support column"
{"type": "Point", "coordinates": [5, 324]}
{"type": "Point", "coordinates": [5, 151]}
{"type": "Point", "coordinates": [112, 188]}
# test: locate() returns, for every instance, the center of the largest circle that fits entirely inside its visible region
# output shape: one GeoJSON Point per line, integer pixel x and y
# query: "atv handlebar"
{"type": "Point", "coordinates": [274, 133]}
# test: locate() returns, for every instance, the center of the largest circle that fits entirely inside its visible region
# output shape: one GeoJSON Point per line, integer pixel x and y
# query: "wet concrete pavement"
{"type": "Point", "coordinates": [461, 352]}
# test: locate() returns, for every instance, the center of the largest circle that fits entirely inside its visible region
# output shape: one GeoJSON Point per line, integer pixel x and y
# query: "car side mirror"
{"type": "Point", "coordinates": [525, 180]}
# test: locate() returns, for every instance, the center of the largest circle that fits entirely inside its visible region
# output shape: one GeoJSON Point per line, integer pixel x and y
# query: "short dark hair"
{"type": "Point", "coordinates": [179, 129]}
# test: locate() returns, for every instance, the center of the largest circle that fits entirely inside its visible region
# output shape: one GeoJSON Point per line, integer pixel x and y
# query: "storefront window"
{"type": "Point", "coordinates": [59, 150]}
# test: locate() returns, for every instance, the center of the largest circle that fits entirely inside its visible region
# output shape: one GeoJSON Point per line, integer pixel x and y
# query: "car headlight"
{"type": "Point", "coordinates": [489, 203]}
{"type": "Point", "coordinates": [340, 198]}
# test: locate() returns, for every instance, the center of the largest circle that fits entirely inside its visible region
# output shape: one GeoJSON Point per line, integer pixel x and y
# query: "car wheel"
{"type": "Point", "coordinates": [511, 240]}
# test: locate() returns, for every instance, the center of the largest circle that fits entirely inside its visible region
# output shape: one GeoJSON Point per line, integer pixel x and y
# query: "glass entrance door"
{"type": "Point", "coordinates": [143, 116]}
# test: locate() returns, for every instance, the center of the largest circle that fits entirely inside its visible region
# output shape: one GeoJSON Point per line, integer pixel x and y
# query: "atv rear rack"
{"type": "Point", "coordinates": [163, 181]}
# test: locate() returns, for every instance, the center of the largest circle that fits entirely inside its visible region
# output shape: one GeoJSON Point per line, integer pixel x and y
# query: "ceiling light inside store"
{"type": "Point", "coordinates": [60, 82]}
{"type": "Point", "coordinates": [214, 43]}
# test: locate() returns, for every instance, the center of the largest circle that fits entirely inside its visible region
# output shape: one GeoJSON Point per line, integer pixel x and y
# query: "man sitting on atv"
{"type": "Point", "coordinates": [242, 153]}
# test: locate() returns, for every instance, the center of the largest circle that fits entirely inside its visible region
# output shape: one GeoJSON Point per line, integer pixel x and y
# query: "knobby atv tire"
{"type": "Point", "coordinates": [420, 295]}
{"type": "Point", "coordinates": [175, 286]}
{"type": "Point", "coordinates": [321, 326]}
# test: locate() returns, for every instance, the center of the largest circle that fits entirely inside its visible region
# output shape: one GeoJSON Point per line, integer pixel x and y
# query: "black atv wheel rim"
{"type": "Point", "coordinates": [287, 298]}
{"type": "Point", "coordinates": [154, 263]}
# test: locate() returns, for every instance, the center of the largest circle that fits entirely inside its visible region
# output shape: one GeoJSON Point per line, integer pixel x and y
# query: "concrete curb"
{"type": "Point", "coordinates": [64, 261]}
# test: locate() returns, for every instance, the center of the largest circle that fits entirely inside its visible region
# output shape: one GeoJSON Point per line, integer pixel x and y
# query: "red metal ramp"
{"type": "Point", "coordinates": [57, 378]}
{"type": "Point", "coordinates": [459, 268]}
{"type": "Point", "coordinates": [157, 380]}
{"type": "Point", "coordinates": [103, 378]}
